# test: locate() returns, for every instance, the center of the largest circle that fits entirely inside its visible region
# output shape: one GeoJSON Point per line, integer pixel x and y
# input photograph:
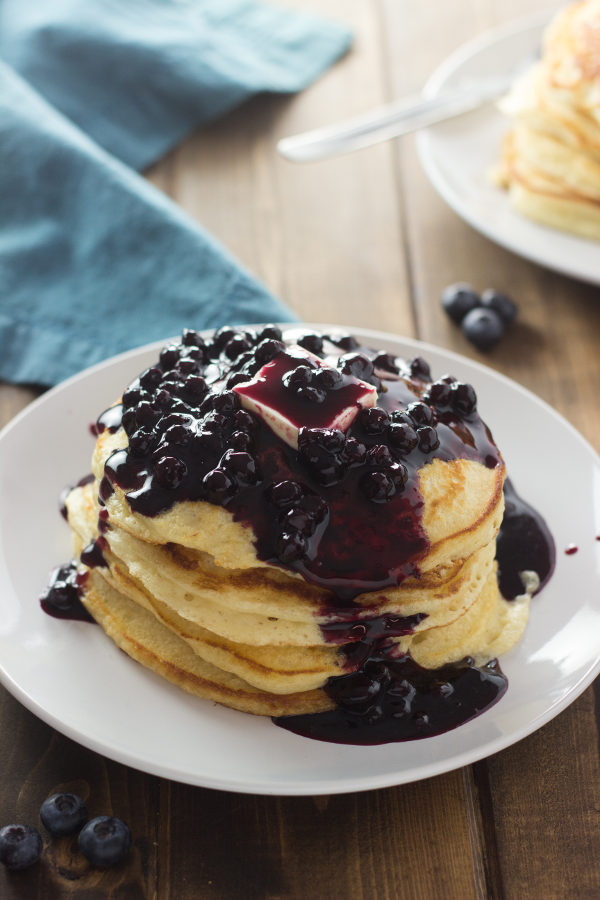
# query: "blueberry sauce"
{"type": "Point", "coordinates": [392, 700]}
{"type": "Point", "coordinates": [62, 597]}
{"type": "Point", "coordinates": [62, 500]}
{"type": "Point", "coordinates": [92, 555]}
{"type": "Point", "coordinates": [524, 542]}
{"type": "Point", "coordinates": [110, 420]}
{"type": "Point", "coordinates": [388, 698]}
{"type": "Point", "coordinates": [352, 521]}
{"type": "Point", "coordinates": [343, 509]}
{"type": "Point", "coordinates": [367, 631]}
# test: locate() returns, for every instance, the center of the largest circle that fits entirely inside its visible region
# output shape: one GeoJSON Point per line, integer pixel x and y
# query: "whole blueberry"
{"type": "Point", "coordinates": [385, 361]}
{"type": "Point", "coordinates": [402, 437]}
{"type": "Point", "coordinates": [169, 356]}
{"type": "Point", "coordinates": [191, 338]}
{"type": "Point", "coordinates": [419, 368]}
{"type": "Point", "coordinates": [268, 349]}
{"type": "Point", "coordinates": [20, 846]}
{"type": "Point", "coordinates": [170, 471]}
{"type": "Point", "coordinates": [269, 332]}
{"type": "Point", "coordinates": [428, 438]}
{"type": "Point", "coordinates": [241, 466]}
{"type": "Point", "coordinates": [104, 841]}
{"type": "Point", "coordinates": [291, 546]}
{"type": "Point", "coordinates": [374, 419]}
{"type": "Point", "coordinates": [345, 342]}
{"type": "Point", "coordinates": [236, 346]}
{"type": "Point", "coordinates": [464, 399]}
{"type": "Point", "coordinates": [63, 814]}
{"type": "Point", "coordinates": [420, 413]}
{"type": "Point", "coordinates": [500, 303]}
{"type": "Point", "coordinates": [354, 451]}
{"type": "Point", "coordinates": [301, 520]}
{"type": "Point", "coordinates": [483, 327]}
{"type": "Point", "coordinates": [284, 493]}
{"type": "Point", "coordinates": [312, 342]}
{"type": "Point", "coordinates": [378, 486]}
{"type": "Point", "coordinates": [219, 485]}
{"type": "Point", "coordinates": [439, 394]}
{"type": "Point", "coordinates": [356, 364]}
{"type": "Point", "coordinates": [459, 299]}
{"type": "Point", "coordinates": [327, 379]}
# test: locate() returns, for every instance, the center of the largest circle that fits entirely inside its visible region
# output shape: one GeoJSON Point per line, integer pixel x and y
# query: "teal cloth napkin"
{"type": "Point", "coordinates": [93, 259]}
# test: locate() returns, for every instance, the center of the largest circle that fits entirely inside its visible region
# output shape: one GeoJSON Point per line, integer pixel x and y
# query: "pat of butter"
{"type": "Point", "coordinates": [285, 411]}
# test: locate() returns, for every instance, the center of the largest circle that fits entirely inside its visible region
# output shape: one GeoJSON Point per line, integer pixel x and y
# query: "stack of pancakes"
{"type": "Point", "coordinates": [551, 157]}
{"type": "Point", "coordinates": [185, 593]}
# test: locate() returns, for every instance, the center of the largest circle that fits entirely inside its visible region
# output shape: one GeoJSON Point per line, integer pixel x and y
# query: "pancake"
{"type": "Point", "coordinates": [145, 640]}
{"type": "Point", "coordinates": [271, 515]}
{"type": "Point", "coordinates": [149, 641]}
{"type": "Point", "coordinates": [236, 604]}
{"type": "Point", "coordinates": [551, 157]}
{"type": "Point", "coordinates": [288, 664]}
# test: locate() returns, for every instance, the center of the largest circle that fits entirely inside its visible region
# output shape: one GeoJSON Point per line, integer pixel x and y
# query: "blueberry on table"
{"type": "Point", "coordinates": [459, 299]}
{"type": "Point", "coordinates": [63, 814]}
{"type": "Point", "coordinates": [500, 303]}
{"type": "Point", "coordinates": [483, 327]}
{"type": "Point", "coordinates": [104, 841]}
{"type": "Point", "coordinates": [20, 846]}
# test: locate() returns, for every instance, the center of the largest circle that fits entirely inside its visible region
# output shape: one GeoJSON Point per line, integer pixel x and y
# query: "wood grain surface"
{"type": "Point", "coordinates": [362, 240]}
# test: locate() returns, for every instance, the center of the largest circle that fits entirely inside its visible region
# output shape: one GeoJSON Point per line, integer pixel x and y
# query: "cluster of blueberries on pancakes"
{"type": "Point", "coordinates": [189, 437]}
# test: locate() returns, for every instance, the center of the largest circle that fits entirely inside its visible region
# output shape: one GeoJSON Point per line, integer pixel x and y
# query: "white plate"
{"type": "Point", "coordinates": [458, 155]}
{"type": "Point", "coordinates": [73, 677]}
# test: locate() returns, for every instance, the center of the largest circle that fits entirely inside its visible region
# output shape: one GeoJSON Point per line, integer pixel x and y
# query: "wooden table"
{"type": "Point", "coordinates": [361, 240]}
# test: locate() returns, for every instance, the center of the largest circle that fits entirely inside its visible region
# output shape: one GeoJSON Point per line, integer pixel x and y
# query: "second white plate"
{"type": "Point", "coordinates": [458, 155]}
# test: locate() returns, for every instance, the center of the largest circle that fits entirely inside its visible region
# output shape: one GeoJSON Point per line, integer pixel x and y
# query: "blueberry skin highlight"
{"type": "Point", "coordinates": [459, 299]}
{"type": "Point", "coordinates": [63, 814]}
{"type": "Point", "coordinates": [501, 304]}
{"type": "Point", "coordinates": [20, 846]}
{"type": "Point", "coordinates": [104, 841]}
{"type": "Point", "coordinates": [483, 328]}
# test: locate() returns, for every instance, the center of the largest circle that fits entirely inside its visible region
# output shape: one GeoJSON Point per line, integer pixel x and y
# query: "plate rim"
{"type": "Point", "coordinates": [306, 787]}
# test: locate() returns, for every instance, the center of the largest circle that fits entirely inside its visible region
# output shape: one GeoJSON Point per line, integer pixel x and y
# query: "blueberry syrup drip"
{"type": "Point", "coordinates": [92, 555]}
{"type": "Point", "coordinates": [369, 630]}
{"type": "Point", "coordinates": [62, 500]}
{"type": "Point", "coordinates": [109, 420]}
{"type": "Point", "coordinates": [352, 520]}
{"type": "Point", "coordinates": [62, 597]}
{"type": "Point", "coordinates": [105, 489]}
{"type": "Point", "coordinates": [390, 700]}
{"type": "Point", "coordinates": [524, 543]}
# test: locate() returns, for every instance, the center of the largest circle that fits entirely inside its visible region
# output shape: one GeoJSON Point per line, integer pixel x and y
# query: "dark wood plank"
{"type": "Point", "coordinates": [388, 844]}
{"type": "Point", "coordinates": [546, 797]}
